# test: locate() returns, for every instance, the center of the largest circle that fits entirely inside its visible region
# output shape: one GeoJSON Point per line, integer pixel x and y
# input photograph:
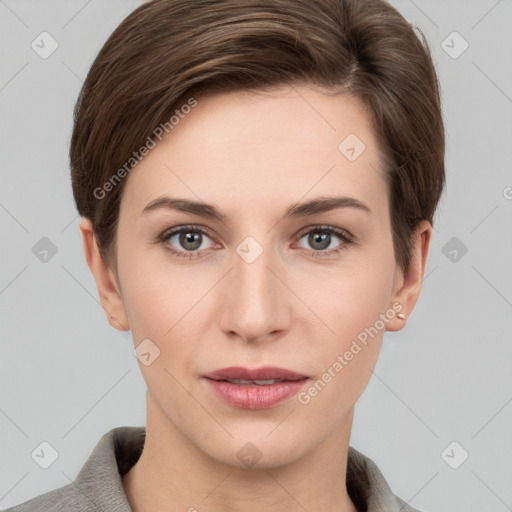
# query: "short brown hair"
{"type": "Point", "coordinates": [169, 50]}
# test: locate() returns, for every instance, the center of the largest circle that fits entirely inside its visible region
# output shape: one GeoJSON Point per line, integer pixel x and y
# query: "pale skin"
{"type": "Point", "coordinates": [253, 156]}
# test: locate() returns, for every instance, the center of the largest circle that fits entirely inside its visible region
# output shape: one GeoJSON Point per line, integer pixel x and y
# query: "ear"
{"type": "Point", "coordinates": [407, 286]}
{"type": "Point", "coordinates": [108, 289]}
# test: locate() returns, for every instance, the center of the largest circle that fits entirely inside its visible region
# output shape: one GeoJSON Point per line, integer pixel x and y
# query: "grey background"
{"type": "Point", "coordinates": [67, 377]}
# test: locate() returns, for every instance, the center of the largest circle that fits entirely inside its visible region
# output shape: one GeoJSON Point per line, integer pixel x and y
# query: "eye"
{"type": "Point", "coordinates": [322, 237]}
{"type": "Point", "coordinates": [189, 241]}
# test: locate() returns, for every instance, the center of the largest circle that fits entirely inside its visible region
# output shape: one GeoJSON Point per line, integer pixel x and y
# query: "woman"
{"type": "Point", "coordinates": [257, 181]}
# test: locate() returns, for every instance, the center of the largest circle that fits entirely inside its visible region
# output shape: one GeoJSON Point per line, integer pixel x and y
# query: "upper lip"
{"type": "Point", "coordinates": [263, 373]}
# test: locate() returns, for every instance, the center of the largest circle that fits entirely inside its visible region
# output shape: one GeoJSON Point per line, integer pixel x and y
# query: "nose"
{"type": "Point", "coordinates": [256, 302]}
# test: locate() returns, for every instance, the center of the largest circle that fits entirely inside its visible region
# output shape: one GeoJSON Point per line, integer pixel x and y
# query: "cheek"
{"type": "Point", "coordinates": [351, 308]}
{"type": "Point", "coordinates": [163, 304]}
{"type": "Point", "coordinates": [156, 294]}
{"type": "Point", "coordinates": [352, 298]}
{"type": "Point", "coordinates": [351, 303]}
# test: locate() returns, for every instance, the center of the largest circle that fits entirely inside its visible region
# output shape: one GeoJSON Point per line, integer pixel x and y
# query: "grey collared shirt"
{"type": "Point", "coordinates": [98, 486]}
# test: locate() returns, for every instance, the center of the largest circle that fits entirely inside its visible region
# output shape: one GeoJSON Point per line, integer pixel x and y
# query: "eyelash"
{"type": "Point", "coordinates": [345, 237]}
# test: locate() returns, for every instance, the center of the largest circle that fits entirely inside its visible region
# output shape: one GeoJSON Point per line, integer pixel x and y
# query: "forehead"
{"type": "Point", "coordinates": [277, 145]}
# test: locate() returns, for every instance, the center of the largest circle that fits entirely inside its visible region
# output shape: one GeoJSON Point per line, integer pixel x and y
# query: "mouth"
{"type": "Point", "coordinates": [265, 375]}
{"type": "Point", "coordinates": [244, 382]}
{"type": "Point", "coordinates": [259, 388]}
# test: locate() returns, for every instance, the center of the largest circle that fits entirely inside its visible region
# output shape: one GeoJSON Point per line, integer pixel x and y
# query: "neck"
{"type": "Point", "coordinates": [173, 475]}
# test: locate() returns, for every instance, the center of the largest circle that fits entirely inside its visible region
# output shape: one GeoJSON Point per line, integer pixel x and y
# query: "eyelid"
{"type": "Point", "coordinates": [192, 227]}
{"type": "Point", "coordinates": [345, 236]}
{"type": "Point", "coordinates": [341, 232]}
{"type": "Point", "coordinates": [168, 233]}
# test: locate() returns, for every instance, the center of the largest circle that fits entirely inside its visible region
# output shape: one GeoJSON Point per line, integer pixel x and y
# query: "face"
{"type": "Point", "coordinates": [268, 282]}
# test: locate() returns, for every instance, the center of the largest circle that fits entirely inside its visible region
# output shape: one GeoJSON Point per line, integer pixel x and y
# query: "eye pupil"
{"type": "Point", "coordinates": [190, 241]}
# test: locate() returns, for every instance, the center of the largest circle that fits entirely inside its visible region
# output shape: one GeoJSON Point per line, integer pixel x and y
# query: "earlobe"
{"type": "Point", "coordinates": [408, 287]}
{"type": "Point", "coordinates": [110, 296]}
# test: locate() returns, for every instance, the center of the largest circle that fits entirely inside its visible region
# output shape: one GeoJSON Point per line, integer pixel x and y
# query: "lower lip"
{"type": "Point", "coordinates": [254, 396]}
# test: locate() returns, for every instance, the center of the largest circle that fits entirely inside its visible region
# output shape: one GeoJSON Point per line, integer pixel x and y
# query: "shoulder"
{"type": "Point", "coordinates": [368, 488]}
{"type": "Point", "coordinates": [65, 498]}
{"type": "Point", "coordinates": [98, 485]}
{"type": "Point", "coordinates": [404, 506]}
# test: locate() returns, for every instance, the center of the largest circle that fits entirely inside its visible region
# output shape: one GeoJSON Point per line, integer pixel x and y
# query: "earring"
{"type": "Point", "coordinates": [401, 316]}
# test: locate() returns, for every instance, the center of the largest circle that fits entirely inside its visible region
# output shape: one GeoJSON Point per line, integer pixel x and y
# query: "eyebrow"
{"type": "Point", "coordinates": [318, 205]}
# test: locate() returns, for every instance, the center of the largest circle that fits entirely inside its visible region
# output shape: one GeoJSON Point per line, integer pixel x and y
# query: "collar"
{"type": "Point", "coordinates": [99, 481]}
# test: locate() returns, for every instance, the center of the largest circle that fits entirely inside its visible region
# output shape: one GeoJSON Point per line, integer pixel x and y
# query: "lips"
{"type": "Point", "coordinates": [260, 376]}
{"type": "Point", "coordinates": [260, 388]}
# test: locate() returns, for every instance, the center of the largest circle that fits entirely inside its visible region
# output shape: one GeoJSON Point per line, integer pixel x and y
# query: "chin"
{"type": "Point", "coordinates": [258, 451]}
